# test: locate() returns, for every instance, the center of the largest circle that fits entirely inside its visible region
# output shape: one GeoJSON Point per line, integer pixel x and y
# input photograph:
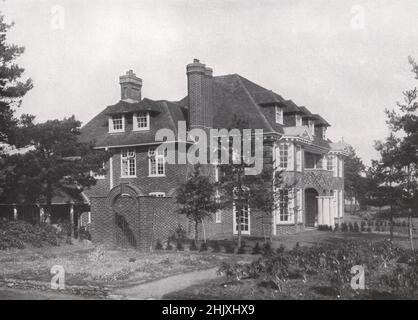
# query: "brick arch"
{"type": "Point", "coordinates": [123, 188]}
{"type": "Point", "coordinates": [124, 205]}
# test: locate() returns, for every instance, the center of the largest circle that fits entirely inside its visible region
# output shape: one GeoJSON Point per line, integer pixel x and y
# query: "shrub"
{"type": "Point", "coordinates": [350, 227]}
{"type": "Point", "coordinates": [267, 250]}
{"type": "Point", "coordinates": [404, 224]}
{"type": "Point", "coordinates": [363, 226]}
{"type": "Point", "coordinates": [241, 250]}
{"type": "Point", "coordinates": [216, 247]}
{"type": "Point", "coordinates": [229, 248]}
{"type": "Point", "coordinates": [203, 247]}
{"type": "Point", "coordinates": [158, 245]}
{"type": "Point", "coordinates": [336, 227]}
{"type": "Point", "coordinates": [344, 227]}
{"type": "Point", "coordinates": [15, 234]}
{"type": "Point", "coordinates": [281, 249]}
{"type": "Point", "coordinates": [169, 247]}
{"type": "Point", "coordinates": [256, 249]}
{"type": "Point", "coordinates": [193, 246]}
{"type": "Point", "coordinates": [179, 245]}
{"type": "Point", "coordinates": [84, 233]}
{"type": "Point", "coordinates": [324, 228]}
{"type": "Point", "coordinates": [356, 227]}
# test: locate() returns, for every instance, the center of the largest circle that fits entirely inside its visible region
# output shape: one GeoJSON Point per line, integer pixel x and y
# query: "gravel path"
{"type": "Point", "coordinates": [157, 289]}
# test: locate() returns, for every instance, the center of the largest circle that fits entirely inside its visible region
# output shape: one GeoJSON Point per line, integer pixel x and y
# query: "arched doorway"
{"type": "Point", "coordinates": [311, 207]}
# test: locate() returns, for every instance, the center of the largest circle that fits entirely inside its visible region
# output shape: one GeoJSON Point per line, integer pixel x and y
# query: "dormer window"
{"type": "Point", "coordinates": [117, 123]}
{"type": "Point", "coordinates": [279, 115]}
{"type": "Point", "coordinates": [311, 126]}
{"type": "Point", "coordinates": [298, 120]}
{"type": "Point", "coordinates": [141, 121]}
{"type": "Point", "coordinates": [324, 133]}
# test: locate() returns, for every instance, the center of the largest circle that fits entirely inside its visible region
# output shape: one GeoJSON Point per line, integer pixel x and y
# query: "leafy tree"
{"type": "Point", "coordinates": [353, 180]}
{"type": "Point", "coordinates": [197, 199]}
{"type": "Point", "coordinates": [12, 89]}
{"type": "Point", "coordinates": [59, 161]}
{"type": "Point", "coordinates": [400, 150]}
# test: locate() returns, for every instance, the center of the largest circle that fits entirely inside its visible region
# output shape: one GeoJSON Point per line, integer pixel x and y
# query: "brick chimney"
{"type": "Point", "coordinates": [130, 86]}
{"type": "Point", "coordinates": [200, 92]}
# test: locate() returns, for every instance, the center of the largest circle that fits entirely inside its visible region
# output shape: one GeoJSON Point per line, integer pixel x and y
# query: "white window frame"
{"type": "Point", "coordinates": [298, 118]}
{"type": "Point", "coordinates": [279, 114]}
{"type": "Point", "coordinates": [111, 123]}
{"type": "Point", "coordinates": [299, 159]}
{"type": "Point", "coordinates": [299, 205]}
{"type": "Point", "coordinates": [126, 156]}
{"type": "Point", "coordinates": [235, 224]}
{"type": "Point", "coordinates": [335, 166]}
{"type": "Point", "coordinates": [336, 203]}
{"type": "Point", "coordinates": [280, 154]}
{"type": "Point", "coordinates": [218, 213]}
{"type": "Point", "coordinates": [324, 133]}
{"type": "Point", "coordinates": [340, 167]}
{"type": "Point", "coordinates": [330, 160]}
{"type": "Point", "coordinates": [286, 210]}
{"type": "Point", "coordinates": [135, 121]}
{"type": "Point", "coordinates": [157, 194]}
{"type": "Point", "coordinates": [159, 160]}
{"type": "Point", "coordinates": [311, 126]}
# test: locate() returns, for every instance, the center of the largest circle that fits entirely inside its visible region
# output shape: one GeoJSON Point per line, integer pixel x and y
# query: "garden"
{"type": "Point", "coordinates": [322, 271]}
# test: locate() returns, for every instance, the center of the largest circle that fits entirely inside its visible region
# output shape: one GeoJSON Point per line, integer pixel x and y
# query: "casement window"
{"type": "Point", "coordinates": [286, 206]}
{"type": "Point", "coordinates": [156, 162]}
{"type": "Point", "coordinates": [324, 133]}
{"type": "Point", "coordinates": [141, 121]}
{"type": "Point", "coordinates": [311, 126]}
{"type": "Point", "coordinates": [299, 158]}
{"type": "Point", "coordinates": [245, 219]}
{"type": "Point", "coordinates": [330, 163]}
{"type": "Point", "coordinates": [117, 123]}
{"type": "Point", "coordinates": [128, 163]}
{"type": "Point", "coordinates": [157, 194]}
{"type": "Point", "coordinates": [298, 120]}
{"type": "Point", "coordinates": [284, 156]}
{"type": "Point", "coordinates": [299, 205]}
{"type": "Point", "coordinates": [279, 115]}
{"type": "Point", "coordinates": [335, 166]}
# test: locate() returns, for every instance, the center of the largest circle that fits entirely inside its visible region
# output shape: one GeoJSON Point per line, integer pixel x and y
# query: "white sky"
{"type": "Point", "coordinates": [310, 51]}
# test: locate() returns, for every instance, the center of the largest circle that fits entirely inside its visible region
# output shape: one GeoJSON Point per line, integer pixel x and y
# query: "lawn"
{"type": "Point", "coordinates": [86, 264]}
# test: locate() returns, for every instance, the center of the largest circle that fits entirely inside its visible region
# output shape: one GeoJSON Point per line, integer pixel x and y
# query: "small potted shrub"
{"type": "Point", "coordinates": [363, 226]}
{"type": "Point", "coordinates": [356, 227]}
{"type": "Point", "coordinates": [257, 249]}
{"type": "Point", "coordinates": [350, 227]}
{"type": "Point", "coordinates": [158, 245]}
{"type": "Point", "coordinates": [344, 227]}
{"type": "Point", "coordinates": [216, 247]}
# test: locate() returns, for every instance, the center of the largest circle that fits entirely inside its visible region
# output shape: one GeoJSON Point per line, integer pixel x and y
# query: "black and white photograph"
{"type": "Point", "coordinates": [230, 151]}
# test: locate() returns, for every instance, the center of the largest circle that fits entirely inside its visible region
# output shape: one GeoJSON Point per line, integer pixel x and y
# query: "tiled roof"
{"type": "Point", "coordinates": [97, 128]}
{"type": "Point", "coordinates": [233, 96]}
{"type": "Point", "coordinates": [321, 121]}
{"type": "Point", "coordinates": [307, 114]}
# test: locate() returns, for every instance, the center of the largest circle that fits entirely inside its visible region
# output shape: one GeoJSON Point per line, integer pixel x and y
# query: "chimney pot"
{"type": "Point", "coordinates": [131, 87]}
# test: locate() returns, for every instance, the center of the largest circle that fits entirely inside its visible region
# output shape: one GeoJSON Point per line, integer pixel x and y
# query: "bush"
{"type": "Point", "coordinates": [267, 250]}
{"type": "Point", "coordinates": [256, 249]}
{"type": "Point", "coordinates": [158, 245]}
{"type": "Point", "coordinates": [350, 227]}
{"type": "Point", "coordinates": [356, 227]}
{"type": "Point", "coordinates": [336, 227]}
{"type": "Point", "coordinates": [344, 227]}
{"type": "Point", "coordinates": [180, 246]}
{"type": "Point", "coordinates": [363, 226]}
{"type": "Point", "coordinates": [169, 247]}
{"type": "Point", "coordinates": [216, 247]}
{"type": "Point", "coordinates": [203, 247]}
{"type": "Point", "coordinates": [84, 234]}
{"type": "Point", "coordinates": [324, 228]}
{"type": "Point", "coordinates": [16, 234]}
{"type": "Point", "coordinates": [241, 250]}
{"type": "Point", "coordinates": [193, 246]}
{"type": "Point", "coordinates": [281, 249]}
{"type": "Point", "coordinates": [229, 248]}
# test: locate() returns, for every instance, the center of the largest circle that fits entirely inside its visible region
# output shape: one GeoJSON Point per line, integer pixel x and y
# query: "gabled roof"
{"type": "Point", "coordinates": [300, 131]}
{"type": "Point", "coordinates": [306, 113]}
{"type": "Point", "coordinates": [98, 129]}
{"type": "Point", "coordinates": [123, 107]}
{"type": "Point", "coordinates": [321, 121]}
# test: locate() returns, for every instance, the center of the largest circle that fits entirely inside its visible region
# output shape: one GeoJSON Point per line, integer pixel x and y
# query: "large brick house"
{"type": "Point", "coordinates": [134, 203]}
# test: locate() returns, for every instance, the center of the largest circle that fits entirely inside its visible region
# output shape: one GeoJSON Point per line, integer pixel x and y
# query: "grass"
{"type": "Point", "coordinates": [86, 264]}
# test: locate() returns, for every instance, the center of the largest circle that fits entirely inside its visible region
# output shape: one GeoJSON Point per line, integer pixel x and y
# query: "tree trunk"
{"type": "Point", "coordinates": [411, 236]}
{"type": "Point", "coordinates": [196, 232]}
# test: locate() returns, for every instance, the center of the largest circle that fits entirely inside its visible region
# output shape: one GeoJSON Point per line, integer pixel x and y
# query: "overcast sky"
{"type": "Point", "coordinates": [346, 60]}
